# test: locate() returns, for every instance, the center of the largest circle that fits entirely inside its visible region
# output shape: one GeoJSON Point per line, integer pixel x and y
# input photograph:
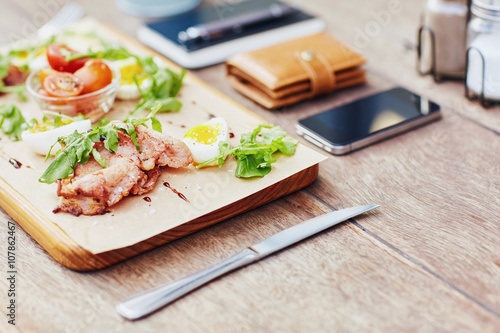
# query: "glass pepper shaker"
{"type": "Point", "coordinates": [442, 38]}
{"type": "Point", "coordinates": [483, 53]}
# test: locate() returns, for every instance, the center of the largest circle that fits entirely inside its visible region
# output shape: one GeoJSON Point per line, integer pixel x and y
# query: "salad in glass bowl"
{"type": "Point", "coordinates": [74, 85]}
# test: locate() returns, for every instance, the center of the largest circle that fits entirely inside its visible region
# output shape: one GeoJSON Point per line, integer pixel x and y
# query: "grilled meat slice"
{"type": "Point", "coordinates": [106, 186]}
{"type": "Point", "coordinates": [148, 182]}
{"type": "Point", "coordinates": [93, 188]}
{"type": "Point", "coordinates": [156, 148]}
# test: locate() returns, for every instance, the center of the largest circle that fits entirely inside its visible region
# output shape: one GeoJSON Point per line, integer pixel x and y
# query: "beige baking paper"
{"type": "Point", "coordinates": [134, 219]}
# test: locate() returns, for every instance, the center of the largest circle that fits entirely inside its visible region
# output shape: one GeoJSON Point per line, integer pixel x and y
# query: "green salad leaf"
{"type": "Point", "coordinates": [79, 147]}
{"type": "Point", "coordinates": [255, 154]}
{"type": "Point", "coordinates": [17, 89]}
{"type": "Point", "coordinates": [12, 121]}
{"type": "Point", "coordinates": [4, 65]}
{"type": "Point", "coordinates": [160, 96]}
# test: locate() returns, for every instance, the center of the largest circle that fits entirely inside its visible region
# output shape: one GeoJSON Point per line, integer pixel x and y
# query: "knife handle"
{"type": "Point", "coordinates": [153, 299]}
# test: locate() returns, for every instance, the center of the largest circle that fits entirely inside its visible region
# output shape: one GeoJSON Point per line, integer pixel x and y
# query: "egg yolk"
{"type": "Point", "coordinates": [127, 74]}
{"type": "Point", "coordinates": [204, 134]}
{"type": "Point", "coordinates": [49, 125]}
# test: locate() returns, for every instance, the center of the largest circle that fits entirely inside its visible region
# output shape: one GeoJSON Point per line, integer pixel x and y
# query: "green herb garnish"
{"type": "Point", "coordinates": [12, 121]}
{"type": "Point", "coordinates": [160, 96]}
{"type": "Point", "coordinates": [48, 124]}
{"type": "Point", "coordinates": [113, 51]}
{"type": "Point", "coordinates": [79, 147]}
{"type": "Point", "coordinates": [255, 154]}
{"type": "Point", "coordinates": [17, 89]}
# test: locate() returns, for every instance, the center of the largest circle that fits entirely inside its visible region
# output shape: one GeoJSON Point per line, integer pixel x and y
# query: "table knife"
{"type": "Point", "coordinates": [153, 299]}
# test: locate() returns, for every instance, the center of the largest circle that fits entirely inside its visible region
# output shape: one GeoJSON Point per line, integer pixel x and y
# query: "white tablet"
{"type": "Point", "coordinates": [163, 36]}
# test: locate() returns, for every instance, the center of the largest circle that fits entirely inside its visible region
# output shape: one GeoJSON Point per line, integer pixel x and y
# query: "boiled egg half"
{"type": "Point", "coordinates": [127, 88]}
{"type": "Point", "coordinates": [40, 138]}
{"type": "Point", "coordinates": [203, 140]}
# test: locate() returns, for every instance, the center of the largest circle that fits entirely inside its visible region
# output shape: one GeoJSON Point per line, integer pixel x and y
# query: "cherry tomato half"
{"type": "Point", "coordinates": [44, 72]}
{"type": "Point", "coordinates": [95, 75]}
{"type": "Point", "coordinates": [58, 61]}
{"type": "Point", "coordinates": [62, 85]}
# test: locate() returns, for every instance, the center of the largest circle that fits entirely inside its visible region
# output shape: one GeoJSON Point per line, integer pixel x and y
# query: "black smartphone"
{"type": "Point", "coordinates": [368, 120]}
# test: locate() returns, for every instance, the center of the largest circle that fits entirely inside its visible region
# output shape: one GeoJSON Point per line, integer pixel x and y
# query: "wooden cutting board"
{"type": "Point", "coordinates": [137, 223]}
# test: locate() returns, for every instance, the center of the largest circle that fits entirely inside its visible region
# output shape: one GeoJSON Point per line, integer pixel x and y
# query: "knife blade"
{"type": "Point", "coordinates": [153, 299]}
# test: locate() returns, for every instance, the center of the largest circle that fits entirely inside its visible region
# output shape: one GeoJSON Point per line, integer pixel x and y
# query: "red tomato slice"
{"type": "Point", "coordinates": [62, 85]}
{"type": "Point", "coordinates": [95, 75]}
{"type": "Point", "coordinates": [58, 61]}
{"type": "Point", "coordinates": [44, 72]}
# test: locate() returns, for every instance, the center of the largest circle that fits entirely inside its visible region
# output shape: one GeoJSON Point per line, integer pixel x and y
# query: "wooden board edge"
{"type": "Point", "coordinates": [286, 186]}
{"type": "Point", "coordinates": [71, 255]}
{"type": "Point", "coordinates": [48, 234]}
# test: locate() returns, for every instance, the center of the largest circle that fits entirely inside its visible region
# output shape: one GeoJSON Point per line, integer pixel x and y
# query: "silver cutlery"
{"type": "Point", "coordinates": [153, 299]}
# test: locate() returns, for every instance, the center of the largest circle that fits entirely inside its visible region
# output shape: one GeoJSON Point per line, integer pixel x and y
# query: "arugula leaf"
{"type": "Point", "coordinates": [32, 51]}
{"type": "Point", "coordinates": [4, 66]}
{"type": "Point", "coordinates": [98, 158]}
{"type": "Point", "coordinates": [18, 89]}
{"type": "Point", "coordinates": [12, 121]}
{"type": "Point", "coordinates": [255, 154]}
{"type": "Point", "coordinates": [103, 122]}
{"type": "Point", "coordinates": [111, 138]}
{"type": "Point", "coordinates": [112, 51]}
{"type": "Point", "coordinates": [79, 147]}
{"type": "Point", "coordinates": [161, 94]}
{"type": "Point", "coordinates": [58, 169]}
{"type": "Point", "coordinates": [252, 166]}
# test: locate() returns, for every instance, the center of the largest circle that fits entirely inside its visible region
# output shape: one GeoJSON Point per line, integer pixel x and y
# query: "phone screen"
{"type": "Point", "coordinates": [369, 116]}
{"type": "Point", "coordinates": [171, 27]}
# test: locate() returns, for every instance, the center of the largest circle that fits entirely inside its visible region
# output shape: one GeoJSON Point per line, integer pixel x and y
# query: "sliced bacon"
{"type": "Point", "coordinates": [14, 77]}
{"type": "Point", "coordinates": [93, 189]}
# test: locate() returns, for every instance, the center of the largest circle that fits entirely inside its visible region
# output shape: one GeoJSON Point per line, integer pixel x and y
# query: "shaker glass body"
{"type": "Point", "coordinates": [483, 42]}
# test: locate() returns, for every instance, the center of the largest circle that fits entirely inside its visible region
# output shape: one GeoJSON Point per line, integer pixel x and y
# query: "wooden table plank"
{"type": "Point", "coordinates": [341, 279]}
{"type": "Point", "coordinates": [455, 174]}
{"type": "Point", "coordinates": [452, 229]}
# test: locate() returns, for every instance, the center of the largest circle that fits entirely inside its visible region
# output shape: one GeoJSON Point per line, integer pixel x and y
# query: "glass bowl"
{"type": "Point", "coordinates": [93, 105]}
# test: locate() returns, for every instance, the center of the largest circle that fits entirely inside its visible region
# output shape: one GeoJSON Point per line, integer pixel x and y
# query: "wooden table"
{"type": "Point", "coordinates": [428, 260]}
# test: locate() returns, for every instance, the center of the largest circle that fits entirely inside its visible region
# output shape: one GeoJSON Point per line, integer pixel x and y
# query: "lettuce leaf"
{"type": "Point", "coordinates": [256, 151]}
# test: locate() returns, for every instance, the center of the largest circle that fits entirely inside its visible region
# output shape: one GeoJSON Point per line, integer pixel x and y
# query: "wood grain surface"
{"type": "Point", "coordinates": [426, 261]}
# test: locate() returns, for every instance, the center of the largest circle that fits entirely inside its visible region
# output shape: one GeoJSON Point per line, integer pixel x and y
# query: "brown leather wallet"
{"type": "Point", "coordinates": [295, 70]}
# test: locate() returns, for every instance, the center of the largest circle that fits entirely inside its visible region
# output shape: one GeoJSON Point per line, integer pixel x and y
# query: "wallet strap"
{"type": "Point", "coordinates": [319, 71]}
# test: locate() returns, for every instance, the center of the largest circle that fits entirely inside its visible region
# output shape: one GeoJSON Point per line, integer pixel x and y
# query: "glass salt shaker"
{"type": "Point", "coordinates": [483, 53]}
{"type": "Point", "coordinates": [442, 37]}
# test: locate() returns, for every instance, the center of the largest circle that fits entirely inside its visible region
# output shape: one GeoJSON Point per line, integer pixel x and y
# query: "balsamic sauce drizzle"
{"type": "Point", "coordinates": [15, 163]}
{"type": "Point", "coordinates": [182, 196]}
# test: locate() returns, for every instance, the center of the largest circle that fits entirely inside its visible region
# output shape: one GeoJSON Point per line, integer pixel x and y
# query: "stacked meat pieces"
{"type": "Point", "coordinates": [94, 189]}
